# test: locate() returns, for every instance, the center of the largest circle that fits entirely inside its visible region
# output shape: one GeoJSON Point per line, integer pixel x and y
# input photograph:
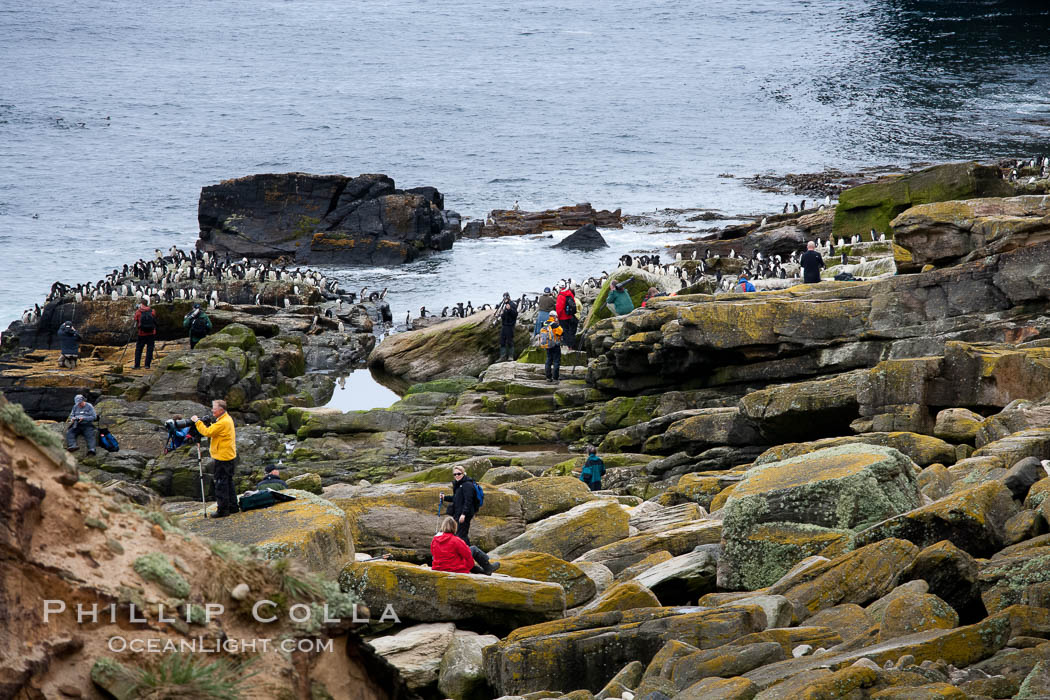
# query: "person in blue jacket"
{"type": "Point", "coordinates": [593, 470]}
{"type": "Point", "coordinates": [743, 285]}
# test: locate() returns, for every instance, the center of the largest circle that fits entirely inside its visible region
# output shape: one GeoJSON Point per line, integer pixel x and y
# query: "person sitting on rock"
{"type": "Point", "coordinates": [464, 500]}
{"type": "Point", "coordinates": [651, 294]}
{"type": "Point", "coordinates": [272, 480]}
{"type": "Point", "coordinates": [81, 422]}
{"type": "Point", "coordinates": [198, 323]}
{"type": "Point", "coordinates": [619, 301]}
{"type": "Point", "coordinates": [69, 345]}
{"type": "Point", "coordinates": [449, 553]}
{"type": "Point", "coordinates": [593, 469]}
{"type": "Point", "coordinates": [743, 285]}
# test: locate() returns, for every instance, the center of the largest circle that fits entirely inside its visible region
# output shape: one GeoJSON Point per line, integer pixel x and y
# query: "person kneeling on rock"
{"type": "Point", "coordinates": [450, 553]}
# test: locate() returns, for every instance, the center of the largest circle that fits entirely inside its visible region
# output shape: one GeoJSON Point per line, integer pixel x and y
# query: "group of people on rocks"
{"type": "Point", "coordinates": [196, 322]}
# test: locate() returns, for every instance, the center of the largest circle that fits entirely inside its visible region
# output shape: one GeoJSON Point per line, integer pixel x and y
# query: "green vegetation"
{"type": "Point", "coordinates": [188, 676]}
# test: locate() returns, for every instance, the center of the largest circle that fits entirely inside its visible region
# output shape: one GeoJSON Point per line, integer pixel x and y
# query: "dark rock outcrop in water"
{"type": "Point", "coordinates": [324, 219]}
{"type": "Point", "coordinates": [514, 222]}
{"type": "Point", "coordinates": [584, 238]}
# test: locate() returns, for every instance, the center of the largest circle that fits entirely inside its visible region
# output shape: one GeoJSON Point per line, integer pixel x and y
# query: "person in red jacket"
{"type": "Point", "coordinates": [450, 553]}
{"type": "Point", "coordinates": [146, 322]}
{"type": "Point", "coordinates": [567, 317]}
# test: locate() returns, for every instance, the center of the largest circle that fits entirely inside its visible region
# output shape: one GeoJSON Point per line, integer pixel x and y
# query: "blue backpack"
{"type": "Point", "coordinates": [480, 494]}
{"type": "Point", "coordinates": [108, 440]}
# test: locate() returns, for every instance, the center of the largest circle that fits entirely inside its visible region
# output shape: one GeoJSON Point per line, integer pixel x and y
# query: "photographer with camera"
{"type": "Point", "coordinates": [81, 422]}
{"type": "Point", "coordinates": [198, 324]}
{"type": "Point", "coordinates": [223, 451]}
{"type": "Point", "coordinates": [69, 346]}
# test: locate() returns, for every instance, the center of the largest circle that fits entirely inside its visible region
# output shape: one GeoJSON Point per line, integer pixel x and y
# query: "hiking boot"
{"type": "Point", "coordinates": [493, 566]}
{"type": "Point", "coordinates": [91, 453]}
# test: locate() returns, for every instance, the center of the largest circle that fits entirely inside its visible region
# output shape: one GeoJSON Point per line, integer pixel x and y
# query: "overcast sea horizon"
{"type": "Point", "coordinates": [113, 116]}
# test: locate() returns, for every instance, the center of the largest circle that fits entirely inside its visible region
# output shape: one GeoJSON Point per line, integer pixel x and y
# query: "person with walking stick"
{"type": "Point", "coordinates": [223, 451]}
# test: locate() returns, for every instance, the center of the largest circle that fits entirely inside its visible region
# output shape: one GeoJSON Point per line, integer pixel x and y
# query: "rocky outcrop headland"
{"type": "Point", "coordinates": [831, 490]}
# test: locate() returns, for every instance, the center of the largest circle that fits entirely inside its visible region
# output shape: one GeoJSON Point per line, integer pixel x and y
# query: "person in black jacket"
{"type": "Point", "coordinates": [508, 316]}
{"type": "Point", "coordinates": [464, 500]}
{"type": "Point", "coordinates": [68, 344]}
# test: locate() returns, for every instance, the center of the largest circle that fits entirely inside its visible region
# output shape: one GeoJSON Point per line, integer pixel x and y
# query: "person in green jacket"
{"type": "Point", "coordinates": [198, 323]}
{"type": "Point", "coordinates": [593, 470]}
{"type": "Point", "coordinates": [619, 301]}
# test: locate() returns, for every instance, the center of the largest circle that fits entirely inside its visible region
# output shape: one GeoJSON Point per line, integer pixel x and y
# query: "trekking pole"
{"type": "Point", "coordinates": [200, 470]}
{"type": "Point", "coordinates": [126, 343]}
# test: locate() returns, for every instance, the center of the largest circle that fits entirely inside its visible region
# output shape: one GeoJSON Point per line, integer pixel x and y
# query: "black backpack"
{"type": "Point", "coordinates": [570, 306]}
{"type": "Point", "coordinates": [199, 326]}
{"type": "Point", "coordinates": [146, 321]}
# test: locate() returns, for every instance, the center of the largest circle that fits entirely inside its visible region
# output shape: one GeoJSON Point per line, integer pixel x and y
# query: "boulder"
{"type": "Point", "coordinates": [723, 662]}
{"type": "Point", "coordinates": [830, 493]}
{"type": "Point", "coordinates": [586, 238]}
{"type": "Point", "coordinates": [497, 603]}
{"type": "Point", "coordinates": [619, 555]}
{"type": "Point", "coordinates": [804, 410]}
{"type": "Point", "coordinates": [717, 688]}
{"type": "Point", "coordinates": [547, 656]}
{"type": "Point", "coordinates": [537, 566]}
{"type": "Point", "coordinates": [398, 519]}
{"type": "Point", "coordinates": [627, 595]}
{"type": "Point", "coordinates": [572, 533]}
{"type": "Point", "coordinates": [599, 573]}
{"type": "Point", "coordinates": [545, 496]}
{"type": "Point", "coordinates": [322, 218]}
{"type": "Point", "coordinates": [310, 529]}
{"type": "Point", "coordinates": [946, 232]}
{"type": "Point", "coordinates": [1035, 683]}
{"type": "Point", "coordinates": [974, 520]}
{"type": "Point", "coordinates": [515, 222]}
{"type": "Point", "coordinates": [306, 482]}
{"type": "Point", "coordinates": [1012, 580]}
{"type": "Point", "coordinates": [829, 583]}
{"type": "Point", "coordinates": [952, 575]}
{"type": "Point", "coordinates": [504, 475]}
{"type": "Point", "coordinates": [452, 348]}
{"type": "Point", "coordinates": [924, 450]}
{"type": "Point", "coordinates": [848, 620]}
{"type": "Point", "coordinates": [874, 205]}
{"type": "Point", "coordinates": [911, 613]}
{"type": "Point", "coordinates": [650, 516]}
{"type": "Point", "coordinates": [462, 673]}
{"type": "Point", "coordinates": [683, 578]}
{"type": "Point", "coordinates": [416, 652]}
{"type": "Point", "coordinates": [957, 425]}
{"type": "Point", "coordinates": [315, 422]}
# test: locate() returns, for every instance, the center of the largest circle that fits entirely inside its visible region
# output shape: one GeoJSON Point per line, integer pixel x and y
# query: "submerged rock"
{"type": "Point", "coordinates": [584, 238]}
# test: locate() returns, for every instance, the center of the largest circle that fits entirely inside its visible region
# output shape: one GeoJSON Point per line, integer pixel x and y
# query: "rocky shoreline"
{"type": "Point", "coordinates": [813, 490]}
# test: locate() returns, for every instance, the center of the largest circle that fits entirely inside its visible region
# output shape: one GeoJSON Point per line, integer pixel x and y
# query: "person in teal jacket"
{"type": "Point", "coordinates": [619, 301]}
{"type": "Point", "coordinates": [593, 470]}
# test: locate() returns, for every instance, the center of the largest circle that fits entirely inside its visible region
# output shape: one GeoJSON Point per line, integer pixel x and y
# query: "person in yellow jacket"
{"type": "Point", "coordinates": [223, 450]}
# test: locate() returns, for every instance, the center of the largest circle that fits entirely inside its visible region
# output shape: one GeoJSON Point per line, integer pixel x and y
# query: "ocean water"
{"type": "Point", "coordinates": [113, 115]}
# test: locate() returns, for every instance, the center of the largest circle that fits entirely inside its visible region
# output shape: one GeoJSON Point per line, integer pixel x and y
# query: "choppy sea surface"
{"type": "Point", "coordinates": [113, 114]}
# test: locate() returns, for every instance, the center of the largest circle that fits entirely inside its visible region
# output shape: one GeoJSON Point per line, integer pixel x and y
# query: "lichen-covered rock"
{"type": "Point", "coordinates": [737, 688]}
{"type": "Point", "coordinates": [572, 533]}
{"type": "Point", "coordinates": [701, 487]}
{"type": "Point", "coordinates": [537, 566]}
{"type": "Point", "coordinates": [548, 495]}
{"type": "Point", "coordinates": [974, 520]}
{"type": "Point", "coordinates": [830, 583]}
{"type": "Point", "coordinates": [399, 519]}
{"type": "Point", "coordinates": [462, 672]}
{"type": "Point", "coordinates": [315, 422]}
{"type": "Point", "coordinates": [683, 578]}
{"type": "Point", "coordinates": [952, 575]}
{"type": "Point", "coordinates": [491, 430]}
{"type": "Point", "coordinates": [784, 511]}
{"type": "Point", "coordinates": [235, 335]}
{"type": "Point", "coordinates": [875, 204]}
{"type": "Point", "coordinates": [848, 619]}
{"type": "Point", "coordinates": [916, 613]}
{"type": "Point", "coordinates": [957, 425]}
{"type": "Point", "coordinates": [547, 656]}
{"type": "Point", "coordinates": [1036, 683]}
{"type": "Point", "coordinates": [921, 449]}
{"type": "Point", "coordinates": [627, 595]}
{"type": "Point", "coordinates": [804, 409]}
{"type": "Point", "coordinates": [653, 517]}
{"type": "Point", "coordinates": [419, 594]}
{"type": "Point", "coordinates": [1007, 581]}
{"type": "Point", "coordinates": [310, 529]}
{"type": "Point", "coordinates": [454, 348]}
{"type": "Point", "coordinates": [627, 552]}
{"type": "Point", "coordinates": [306, 482]}
{"type": "Point", "coordinates": [725, 662]}
{"type": "Point", "coordinates": [505, 475]}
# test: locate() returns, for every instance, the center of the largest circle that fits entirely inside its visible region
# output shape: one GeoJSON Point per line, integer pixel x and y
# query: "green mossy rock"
{"type": "Point", "coordinates": [315, 422]}
{"type": "Point", "coordinates": [235, 335]}
{"type": "Point", "coordinates": [874, 205]}
{"type": "Point", "coordinates": [537, 566]}
{"type": "Point", "coordinates": [782, 512]}
{"type": "Point", "coordinates": [306, 482]}
{"type": "Point", "coordinates": [310, 529]}
{"type": "Point", "coordinates": [476, 468]}
{"type": "Point", "coordinates": [449, 385]}
{"type": "Point", "coordinates": [572, 533]}
{"type": "Point", "coordinates": [505, 475]}
{"type": "Point", "coordinates": [626, 595]}
{"type": "Point", "coordinates": [416, 593]}
{"type": "Point", "coordinates": [157, 568]}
